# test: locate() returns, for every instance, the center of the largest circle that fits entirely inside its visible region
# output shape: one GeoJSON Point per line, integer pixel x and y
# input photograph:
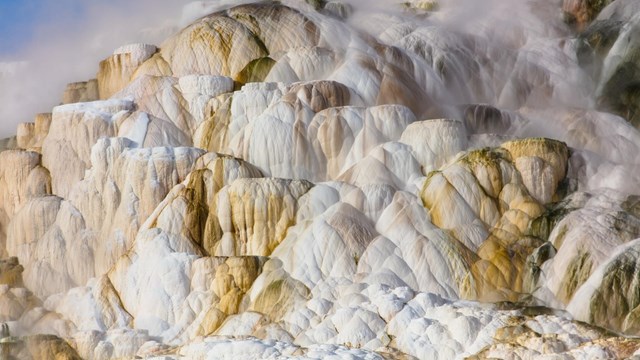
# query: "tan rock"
{"type": "Point", "coordinates": [280, 297]}
{"type": "Point", "coordinates": [116, 71]}
{"type": "Point", "coordinates": [45, 347]}
{"type": "Point", "coordinates": [580, 13]}
{"type": "Point", "coordinates": [11, 272]}
{"type": "Point", "coordinates": [21, 178]}
{"type": "Point", "coordinates": [488, 199]}
{"type": "Point", "coordinates": [254, 215]}
{"type": "Point", "coordinates": [191, 209]}
{"type": "Point", "coordinates": [82, 91]}
{"type": "Point", "coordinates": [9, 143]}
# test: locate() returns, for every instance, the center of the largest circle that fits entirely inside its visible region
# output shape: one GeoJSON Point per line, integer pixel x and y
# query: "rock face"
{"type": "Point", "coordinates": [82, 91]}
{"type": "Point", "coordinates": [581, 12]}
{"type": "Point", "coordinates": [8, 143]}
{"type": "Point", "coordinates": [116, 71]}
{"type": "Point", "coordinates": [617, 88]}
{"type": "Point", "coordinates": [22, 178]}
{"type": "Point", "coordinates": [31, 135]}
{"type": "Point", "coordinates": [487, 200]}
{"type": "Point", "coordinates": [314, 179]}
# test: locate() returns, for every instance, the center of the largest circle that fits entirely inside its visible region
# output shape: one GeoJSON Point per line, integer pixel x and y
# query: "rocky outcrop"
{"type": "Point", "coordinates": [487, 200]}
{"type": "Point", "coordinates": [9, 143]}
{"type": "Point", "coordinates": [31, 135]}
{"type": "Point", "coordinates": [609, 296]}
{"type": "Point", "coordinates": [617, 90]}
{"type": "Point", "coordinates": [314, 179]}
{"type": "Point", "coordinates": [22, 178]}
{"type": "Point", "coordinates": [101, 217]}
{"type": "Point", "coordinates": [117, 70]}
{"type": "Point", "coordinates": [579, 13]}
{"type": "Point", "coordinates": [83, 91]}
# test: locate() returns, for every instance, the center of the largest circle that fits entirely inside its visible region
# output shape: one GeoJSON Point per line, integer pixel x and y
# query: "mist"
{"type": "Point", "coordinates": [76, 35]}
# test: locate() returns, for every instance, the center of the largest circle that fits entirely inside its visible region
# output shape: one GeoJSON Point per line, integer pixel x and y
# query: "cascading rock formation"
{"type": "Point", "coordinates": [327, 179]}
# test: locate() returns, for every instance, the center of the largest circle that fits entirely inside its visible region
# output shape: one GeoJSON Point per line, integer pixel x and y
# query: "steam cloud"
{"type": "Point", "coordinates": [68, 45]}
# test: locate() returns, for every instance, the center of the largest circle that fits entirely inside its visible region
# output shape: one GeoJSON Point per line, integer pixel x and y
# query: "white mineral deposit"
{"type": "Point", "coordinates": [312, 179]}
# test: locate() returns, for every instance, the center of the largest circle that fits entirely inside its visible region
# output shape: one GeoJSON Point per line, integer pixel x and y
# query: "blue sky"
{"type": "Point", "coordinates": [23, 20]}
{"type": "Point", "coordinates": [16, 23]}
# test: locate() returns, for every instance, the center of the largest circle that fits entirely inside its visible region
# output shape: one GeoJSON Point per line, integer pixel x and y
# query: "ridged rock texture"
{"type": "Point", "coordinates": [315, 179]}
